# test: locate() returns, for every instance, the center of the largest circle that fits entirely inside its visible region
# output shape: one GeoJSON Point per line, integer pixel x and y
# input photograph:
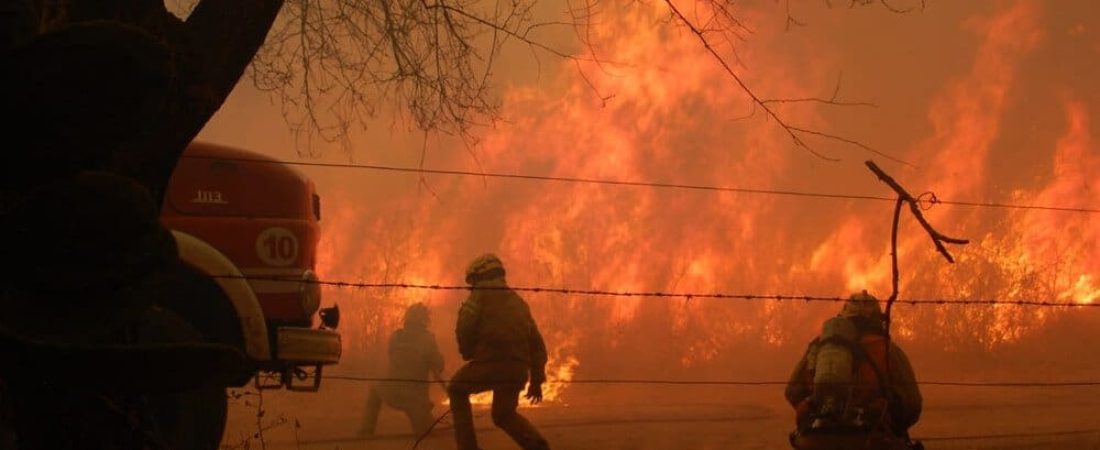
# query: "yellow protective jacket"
{"type": "Point", "coordinates": [495, 325]}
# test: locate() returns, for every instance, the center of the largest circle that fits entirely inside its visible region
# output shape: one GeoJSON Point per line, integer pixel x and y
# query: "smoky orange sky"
{"type": "Point", "coordinates": [990, 101]}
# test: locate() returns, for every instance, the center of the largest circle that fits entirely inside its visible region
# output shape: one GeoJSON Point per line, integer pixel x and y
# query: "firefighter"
{"type": "Point", "coordinates": [413, 356]}
{"type": "Point", "coordinates": [848, 391]}
{"type": "Point", "coordinates": [499, 339]}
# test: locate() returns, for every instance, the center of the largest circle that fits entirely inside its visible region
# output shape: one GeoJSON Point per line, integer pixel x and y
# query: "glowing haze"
{"type": "Point", "coordinates": [992, 114]}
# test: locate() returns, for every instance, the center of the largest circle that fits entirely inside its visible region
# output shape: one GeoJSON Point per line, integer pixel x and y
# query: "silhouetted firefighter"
{"type": "Point", "coordinates": [413, 357]}
{"type": "Point", "coordinates": [499, 338]}
{"type": "Point", "coordinates": [849, 392]}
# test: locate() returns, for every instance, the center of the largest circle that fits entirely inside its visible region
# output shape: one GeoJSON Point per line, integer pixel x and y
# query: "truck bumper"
{"type": "Point", "coordinates": [297, 346]}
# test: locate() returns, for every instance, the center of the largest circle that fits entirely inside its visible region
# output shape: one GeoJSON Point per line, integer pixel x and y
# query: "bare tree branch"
{"type": "Point", "coordinates": [914, 206]}
{"type": "Point", "coordinates": [768, 111]}
{"type": "Point", "coordinates": [890, 7]}
{"type": "Point", "coordinates": [937, 238]}
{"type": "Point", "coordinates": [333, 62]}
{"type": "Point", "coordinates": [820, 100]}
{"type": "Point", "coordinates": [703, 33]}
{"type": "Point", "coordinates": [833, 100]}
{"type": "Point", "coordinates": [850, 142]}
{"type": "Point", "coordinates": [790, 18]}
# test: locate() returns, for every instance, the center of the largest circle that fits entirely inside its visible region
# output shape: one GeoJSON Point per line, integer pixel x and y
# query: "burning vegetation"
{"type": "Point", "coordinates": [679, 193]}
{"type": "Point", "coordinates": [677, 119]}
{"type": "Point", "coordinates": [659, 174]}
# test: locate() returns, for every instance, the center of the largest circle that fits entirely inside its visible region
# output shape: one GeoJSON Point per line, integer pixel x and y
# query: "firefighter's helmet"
{"type": "Point", "coordinates": [417, 315]}
{"type": "Point", "coordinates": [862, 304]}
{"type": "Point", "coordinates": [483, 268]}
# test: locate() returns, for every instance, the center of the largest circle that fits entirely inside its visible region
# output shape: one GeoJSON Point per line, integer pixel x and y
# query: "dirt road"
{"type": "Point", "coordinates": [954, 419]}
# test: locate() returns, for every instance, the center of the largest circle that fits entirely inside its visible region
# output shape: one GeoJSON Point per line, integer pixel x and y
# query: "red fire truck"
{"type": "Point", "coordinates": [247, 231]}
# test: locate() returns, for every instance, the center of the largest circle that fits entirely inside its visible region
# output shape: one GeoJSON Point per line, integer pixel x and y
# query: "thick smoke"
{"type": "Point", "coordinates": [984, 101]}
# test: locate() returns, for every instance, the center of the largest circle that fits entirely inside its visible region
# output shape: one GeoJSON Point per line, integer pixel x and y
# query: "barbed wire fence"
{"type": "Point", "coordinates": [538, 289]}
{"type": "Point", "coordinates": [923, 202]}
{"type": "Point", "coordinates": [1069, 304]}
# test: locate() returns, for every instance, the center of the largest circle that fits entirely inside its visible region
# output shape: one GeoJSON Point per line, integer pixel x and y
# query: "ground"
{"type": "Point", "coordinates": [685, 418]}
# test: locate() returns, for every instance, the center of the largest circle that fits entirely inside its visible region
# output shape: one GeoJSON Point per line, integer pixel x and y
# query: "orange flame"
{"type": "Point", "coordinates": [674, 119]}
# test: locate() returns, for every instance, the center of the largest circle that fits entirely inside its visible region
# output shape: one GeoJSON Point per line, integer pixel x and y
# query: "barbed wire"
{"type": "Point", "coordinates": [605, 381]}
{"type": "Point", "coordinates": [931, 199]}
{"type": "Point", "coordinates": [662, 294]}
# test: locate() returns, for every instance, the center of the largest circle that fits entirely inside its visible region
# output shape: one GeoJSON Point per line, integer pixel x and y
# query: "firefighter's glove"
{"type": "Point", "coordinates": [534, 393]}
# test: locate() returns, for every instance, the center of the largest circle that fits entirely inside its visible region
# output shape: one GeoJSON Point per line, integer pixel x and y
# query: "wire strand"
{"type": "Point", "coordinates": [663, 294]}
{"type": "Point", "coordinates": [599, 181]}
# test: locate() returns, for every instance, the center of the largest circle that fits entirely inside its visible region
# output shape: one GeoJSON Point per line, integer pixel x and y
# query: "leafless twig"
{"type": "Point", "coordinates": [334, 63]}
{"type": "Point", "coordinates": [914, 206]}
{"type": "Point", "coordinates": [430, 428]}
{"type": "Point", "coordinates": [767, 105]}
{"type": "Point", "coordinates": [790, 18]}
{"type": "Point", "coordinates": [852, 142]}
{"type": "Point", "coordinates": [833, 99]}
{"type": "Point", "coordinates": [937, 238]}
{"type": "Point", "coordinates": [757, 101]}
{"type": "Point", "coordinates": [247, 440]}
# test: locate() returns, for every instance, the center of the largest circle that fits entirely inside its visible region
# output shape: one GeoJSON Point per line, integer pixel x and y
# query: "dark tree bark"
{"type": "Point", "coordinates": [215, 46]}
{"type": "Point", "coordinates": [122, 85]}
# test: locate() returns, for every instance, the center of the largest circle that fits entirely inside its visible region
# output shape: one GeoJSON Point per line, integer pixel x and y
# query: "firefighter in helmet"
{"type": "Point", "coordinates": [853, 388]}
{"type": "Point", "coordinates": [499, 339]}
{"type": "Point", "coordinates": [413, 357]}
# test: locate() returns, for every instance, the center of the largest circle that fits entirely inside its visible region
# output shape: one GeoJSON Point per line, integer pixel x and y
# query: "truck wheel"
{"type": "Point", "coordinates": [192, 419]}
{"type": "Point", "coordinates": [199, 300]}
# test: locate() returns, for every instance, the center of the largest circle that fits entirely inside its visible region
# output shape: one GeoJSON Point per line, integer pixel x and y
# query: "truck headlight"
{"type": "Point", "coordinates": [310, 293]}
{"type": "Point", "coordinates": [330, 317]}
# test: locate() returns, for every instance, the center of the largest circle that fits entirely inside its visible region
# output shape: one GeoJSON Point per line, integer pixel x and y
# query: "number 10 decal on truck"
{"type": "Point", "coordinates": [247, 229]}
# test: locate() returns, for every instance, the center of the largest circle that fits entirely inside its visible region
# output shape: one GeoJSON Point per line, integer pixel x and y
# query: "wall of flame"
{"type": "Point", "coordinates": [985, 101]}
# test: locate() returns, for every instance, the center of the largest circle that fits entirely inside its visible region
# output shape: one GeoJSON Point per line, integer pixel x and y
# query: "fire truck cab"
{"type": "Point", "coordinates": [246, 227]}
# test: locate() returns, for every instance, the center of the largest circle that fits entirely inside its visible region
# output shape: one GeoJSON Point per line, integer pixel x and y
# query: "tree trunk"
{"type": "Point", "coordinates": [123, 85]}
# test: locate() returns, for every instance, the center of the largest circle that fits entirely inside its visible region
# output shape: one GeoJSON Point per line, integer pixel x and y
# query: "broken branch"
{"type": "Point", "coordinates": [937, 238]}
